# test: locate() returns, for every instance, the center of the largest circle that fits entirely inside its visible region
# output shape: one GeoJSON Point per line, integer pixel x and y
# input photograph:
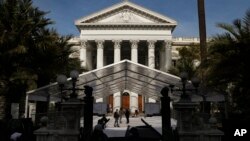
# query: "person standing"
{"type": "Point", "coordinates": [127, 113]}
{"type": "Point", "coordinates": [121, 114]}
{"type": "Point", "coordinates": [136, 113]}
{"type": "Point", "coordinates": [116, 116]}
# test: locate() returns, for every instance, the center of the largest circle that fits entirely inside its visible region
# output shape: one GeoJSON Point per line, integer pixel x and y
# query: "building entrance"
{"type": "Point", "coordinates": [125, 101]}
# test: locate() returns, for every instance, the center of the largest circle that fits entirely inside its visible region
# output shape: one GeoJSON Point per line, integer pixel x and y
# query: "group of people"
{"type": "Point", "coordinates": [98, 134]}
{"type": "Point", "coordinates": [119, 114]}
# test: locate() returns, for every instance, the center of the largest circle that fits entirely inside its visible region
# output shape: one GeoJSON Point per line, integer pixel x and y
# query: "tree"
{"type": "Point", "coordinates": [203, 37]}
{"type": "Point", "coordinates": [188, 62]}
{"type": "Point", "coordinates": [31, 54]}
{"type": "Point", "coordinates": [229, 61]}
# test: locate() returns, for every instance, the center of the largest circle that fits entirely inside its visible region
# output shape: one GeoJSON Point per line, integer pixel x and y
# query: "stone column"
{"type": "Point", "coordinates": [151, 53]}
{"type": "Point", "coordinates": [134, 50]}
{"type": "Point", "coordinates": [100, 47]}
{"type": "Point", "coordinates": [83, 54]}
{"type": "Point", "coordinates": [117, 101]}
{"type": "Point", "coordinates": [117, 50]}
{"type": "Point", "coordinates": [133, 102]}
{"type": "Point", "coordinates": [168, 54]}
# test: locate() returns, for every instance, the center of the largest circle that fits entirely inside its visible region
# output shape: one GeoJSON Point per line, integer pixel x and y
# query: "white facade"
{"type": "Point", "coordinates": [125, 31]}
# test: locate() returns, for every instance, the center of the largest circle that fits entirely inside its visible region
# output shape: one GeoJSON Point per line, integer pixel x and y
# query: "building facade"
{"type": "Point", "coordinates": [127, 31]}
{"type": "Point", "coordinates": [126, 51]}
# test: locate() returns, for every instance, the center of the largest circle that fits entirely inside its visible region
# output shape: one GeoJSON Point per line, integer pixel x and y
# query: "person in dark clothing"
{"type": "Point", "coordinates": [121, 114]}
{"type": "Point", "coordinates": [103, 121]}
{"type": "Point", "coordinates": [116, 116]}
{"type": "Point", "coordinates": [127, 113]}
{"type": "Point", "coordinates": [136, 113]}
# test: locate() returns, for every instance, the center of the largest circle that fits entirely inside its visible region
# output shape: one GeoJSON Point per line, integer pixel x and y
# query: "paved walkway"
{"type": "Point", "coordinates": [112, 131]}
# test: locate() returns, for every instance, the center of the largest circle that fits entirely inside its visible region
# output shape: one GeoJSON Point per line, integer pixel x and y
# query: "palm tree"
{"type": "Point", "coordinates": [229, 61]}
{"type": "Point", "coordinates": [31, 54]}
{"type": "Point", "coordinates": [203, 38]}
{"type": "Point", "coordinates": [189, 56]}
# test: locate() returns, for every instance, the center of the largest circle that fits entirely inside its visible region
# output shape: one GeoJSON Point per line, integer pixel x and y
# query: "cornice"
{"type": "Point", "coordinates": [126, 27]}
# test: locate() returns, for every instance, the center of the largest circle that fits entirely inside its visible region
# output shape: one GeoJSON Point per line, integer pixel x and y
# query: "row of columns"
{"type": "Point", "coordinates": [134, 52]}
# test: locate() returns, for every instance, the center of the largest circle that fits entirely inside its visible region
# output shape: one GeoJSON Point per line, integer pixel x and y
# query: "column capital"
{"type": "Point", "coordinates": [99, 43]}
{"type": "Point", "coordinates": [117, 44]}
{"type": "Point", "coordinates": [83, 44]}
{"type": "Point", "coordinates": [151, 44]}
{"type": "Point", "coordinates": [134, 41]}
{"type": "Point", "coordinates": [117, 41]}
{"type": "Point", "coordinates": [134, 44]}
{"type": "Point", "coordinates": [168, 42]}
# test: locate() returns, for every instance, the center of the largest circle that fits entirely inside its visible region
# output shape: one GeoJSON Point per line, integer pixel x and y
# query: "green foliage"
{"type": "Point", "coordinates": [228, 61]}
{"type": "Point", "coordinates": [31, 54]}
{"type": "Point", "coordinates": [189, 55]}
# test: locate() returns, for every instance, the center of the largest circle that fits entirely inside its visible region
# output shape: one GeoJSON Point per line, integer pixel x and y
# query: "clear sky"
{"type": "Point", "coordinates": [65, 12]}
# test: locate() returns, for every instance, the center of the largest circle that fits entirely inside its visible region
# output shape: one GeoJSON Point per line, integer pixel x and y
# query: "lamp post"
{"type": "Point", "coordinates": [62, 79]}
{"type": "Point", "coordinates": [184, 77]}
{"type": "Point", "coordinates": [73, 116]}
{"type": "Point", "coordinates": [185, 107]}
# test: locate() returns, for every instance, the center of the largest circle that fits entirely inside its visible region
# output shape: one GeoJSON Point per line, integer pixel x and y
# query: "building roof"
{"type": "Point", "coordinates": [125, 13]}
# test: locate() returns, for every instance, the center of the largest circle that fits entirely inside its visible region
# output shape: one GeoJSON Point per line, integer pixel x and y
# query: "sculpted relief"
{"type": "Point", "coordinates": [126, 16]}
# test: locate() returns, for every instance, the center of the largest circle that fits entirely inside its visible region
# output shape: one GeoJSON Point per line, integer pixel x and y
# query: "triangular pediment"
{"type": "Point", "coordinates": [126, 13]}
{"type": "Point", "coordinates": [125, 16]}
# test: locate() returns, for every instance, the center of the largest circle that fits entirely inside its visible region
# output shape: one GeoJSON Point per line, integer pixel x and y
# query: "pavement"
{"type": "Point", "coordinates": [112, 131]}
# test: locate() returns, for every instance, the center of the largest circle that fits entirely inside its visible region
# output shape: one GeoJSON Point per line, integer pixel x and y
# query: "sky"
{"type": "Point", "coordinates": [65, 12]}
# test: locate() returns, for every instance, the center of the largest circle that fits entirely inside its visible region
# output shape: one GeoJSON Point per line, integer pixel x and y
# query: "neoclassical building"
{"type": "Point", "coordinates": [125, 31]}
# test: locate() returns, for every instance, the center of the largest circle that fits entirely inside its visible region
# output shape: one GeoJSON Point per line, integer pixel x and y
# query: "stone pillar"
{"type": "Point", "coordinates": [133, 102]}
{"type": "Point", "coordinates": [88, 113]}
{"type": "Point", "coordinates": [166, 115]}
{"type": "Point", "coordinates": [100, 47]}
{"type": "Point", "coordinates": [117, 50]}
{"type": "Point", "coordinates": [83, 54]}
{"type": "Point", "coordinates": [151, 53]}
{"type": "Point", "coordinates": [168, 54]}
{"type": "Point", "coordinates": [117, 101]}
{"type": "Point", "coordinates": [134, 50]}
{"type": "Point", "coordinates": [184, 111]}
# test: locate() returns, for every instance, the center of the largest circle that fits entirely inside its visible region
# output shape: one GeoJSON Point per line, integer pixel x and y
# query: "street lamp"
{"type": "Point", "coordinates": [184, 77]}
{"type": "Point", "coordinates": [62, 79]}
